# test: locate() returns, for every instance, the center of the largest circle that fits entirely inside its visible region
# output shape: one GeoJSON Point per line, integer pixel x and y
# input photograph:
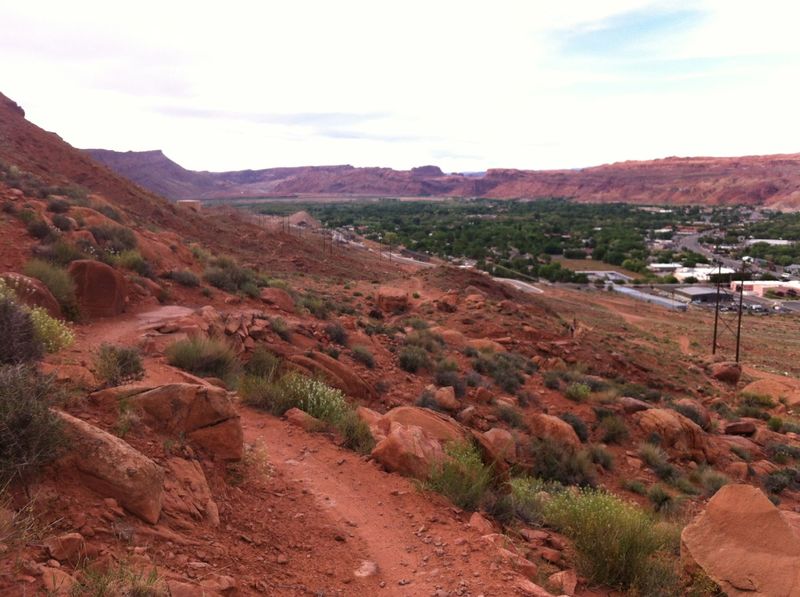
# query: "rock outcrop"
{"type": "Point", "coordinates": [112, 468]}
{"type": "Point", "coordinates": [678, 434]}
{"type": "Point", "coordinates": [32, 292]}
{"type": "Point", "coordinates": [744, 544]}
{"type": "Point", "coordinates": [100, 289]}
{"type": "Point", "coordinates": [409, 451]}
{"type": "Point", "coordinates": [727, 372]}
{"type": "Point", "coordinates": [392, 300]}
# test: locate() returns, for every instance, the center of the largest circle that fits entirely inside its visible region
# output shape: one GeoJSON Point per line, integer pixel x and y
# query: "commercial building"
{"type": "Point", "coordinates": [702, 294]}
{"type": "Point", "coordinates": [700, 274]}
{"type": "Point", "coordinates": [762, 287]}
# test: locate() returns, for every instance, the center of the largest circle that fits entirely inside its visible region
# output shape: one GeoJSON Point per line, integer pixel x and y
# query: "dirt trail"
{"type": "Point", "coordinates": [419, 542]}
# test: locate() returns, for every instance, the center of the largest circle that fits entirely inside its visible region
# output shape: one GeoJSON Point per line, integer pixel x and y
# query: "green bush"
{"type": "Point", "coordinates": [615, 541]}
{"type": "Point", "coordinates": [708, 479]}
{"type": "Point", "coordinates": [690, 413]}
{"type": "Point", "coordinates": [116, 365]}
{"type": "Point", "coordinates": [528, 497]}
{"type": "Point", "coordinates": [660, 498]}
{"type": "Point", "coordinates": [61, 222]}
{"type": "Point", "coordinates": [577, 392]}
{"type": "Point", "coordinates": [363, 355]}
{"type": "Point", "coordinates": [184, 278]}
{"type": "Point", "coordinates": [601, 456]}
{"type": "Point", "coordinates": [263, 363]}
{"type": "Point", "coordinates": [280, 327]}
{"type": "Point", "coordinates": [30, 434]}
{"type": "Point", "coordinates": [206, 357]}
{"type": "Point", "coordinates": [132, 260]}
{"type": "Point", "coordinates": [54, 335]}
{"type": "Point", "coordinates": [577, 424]}
{"type": "Point", "coordinates": [58, 281]}
{"type": "Point", "coordinates": [462, 477]}
{"type": "Point", "coordinates": [20, 344]}
{"type": "Point", "coordinates": [505, 368]}
{"type": "Point", "coordinates": [634, 486]}
{"type": "Point", "coordinates": [114, 239]}
{"type": "Point", "coordinates": [656, 459]}
{"type": "Point", "coordinates": [778, 481]}
{"type": "Point", "coordinates": [445, 377]}
{"type": "Point", "coordinates": [552, 380]}
{"type": "Point", "coordinates": [39, 229]}
{"type": "Point", "coordinates": [425, 339]}
{"type": "Point", "coordinates": [224, 273]}
{"type": "Point", "coordinates": [552, 461]}
{"type": "Point", "coordinates": [414, 358]}
{"type": "Point", "coordinates": [337, 333]}
{"type": "Point", "coordinates": [510, 415]}
{"type": "Point", "coordinates": [58, 206]}
{"type": "Point", "coordinates": [63, 253]}
{"type": "Point", "coordinates": [316, 305]}
{"type": "Point", "coordinates": [614, 429]}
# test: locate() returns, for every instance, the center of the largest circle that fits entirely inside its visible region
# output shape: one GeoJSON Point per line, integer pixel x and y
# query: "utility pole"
{"type": "Point", "coordinates": [716, 311]}
{"type": "Point", "coordinates": [741, 301]}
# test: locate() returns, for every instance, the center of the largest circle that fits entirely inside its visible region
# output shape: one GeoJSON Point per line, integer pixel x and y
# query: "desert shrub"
{"type": "Point", "coordinates": [355, 432]}
{"type": "Point", "coordinates": [577, 391]}
{"type": "Point", "coordinates": [782, 453]}
{"type": "Point", "coordinates": [757, 400]}
{"type": "Point", "coordinates": [119, 579]}
{"type": "Point", "coordinates": [552, 380]}
{"type": "Point", "coordinates": [417, 323]}
{"type": "Point", "coordinates": [63, 252]}
{"type": "Point", "coordinates": [363, 355]}
{"type": "Point", "coordinates": [509, 415]}
{"type": "Point", "coordinates": [775, 424]}
{"type": "Point", "coordinates": [115, 239]}
{"type": "Point", "coordinates": [206, 357]}
{"type": "Point", "coordinates": [263, 363]}
{"type": "Point", "coordinates": [577, 424]}
{"type": "Point", "coordinates": [280, 327]}
{"type": "Point", "coordinates": [61, 222]}
{"type": "Point", "coordinates": [226, 274]}
{"type": "Point", "coordinates": [742, 453]}
{"type": "Point", "coordinates": [462, 477]}
{"type": "Point", "coordinates": [426, 400]}
{"type": "Point", "coordinates": [413, 358]}
{"type": "Point", "coordinates": [58, 281]}
{"type": "Point", "coordinates": [656, 459]}
{"type": "Point", "coordinates": [336, 333]}
{"type": "Point", "coordinates": [116, 365]}
{"type": "Point", "coordinates": [20, 344]}
{"type": "Point", "coordinates": [39, 229]}
{"type": "Point", "coordinates": [709, 480]}
{"type": "Point", "coordinates": [689, 412]}
{"type": "Point", "coordinates": [319, 307]}
{"type": "Point", "coordinates": [614, 429]}
{"type": "Point", "coordinates": [30, 434]}
{"type": "Point", "coordinates": [723, 410]}
{"type": "Point", "coordinates": [446, 374]}
{"type": "Point", "coordinates": [473, 379]}
{"type": "Point", "coordinates": [601, 456]}
{"type": "Point", "coordinates": [634, 486]}
{"type": "Point", "coordinates": [505, 368]}
{"type": "Point", "coordinates": [553, 461]}
{"type": "Point", "coordinates": [615, 541]}
{"type": "Point", "coordinates": [184, 278]}
{"type": "Point", "coordinates": [639, 391]}
{"type": "Point", "coordinates": [659, 497]}
{"type": "Point", "coordinates": [58, 206]}
{"type": "Point", "coordinates": [53, 334]}
{"type": "Point", "coordinates": [754, 412]}
{"type": "Point", "coordinates": [425, 339]}
{"type": "Point", "coordinates": [132, 260]}
{"type": "Point", "coordinates": [528, 497]}
{"type": "Point", "coordinates": [109, 212]}
{"type": "Point", "coordinates": [776, 482]}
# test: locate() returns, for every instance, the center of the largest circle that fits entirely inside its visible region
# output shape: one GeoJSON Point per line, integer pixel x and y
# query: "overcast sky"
{"type": "Point", "coordinates": [467, 85]}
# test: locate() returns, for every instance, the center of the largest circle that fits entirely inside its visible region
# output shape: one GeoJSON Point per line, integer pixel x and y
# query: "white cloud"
{"type": "Point", "coordinates": [468, 85]}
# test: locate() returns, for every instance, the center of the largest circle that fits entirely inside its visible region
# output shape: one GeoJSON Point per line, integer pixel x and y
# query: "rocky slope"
{"type": "Point", "coordinates": [772, 181]}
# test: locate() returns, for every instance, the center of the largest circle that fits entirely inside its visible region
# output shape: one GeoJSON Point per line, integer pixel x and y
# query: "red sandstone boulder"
{"type": "Point", "coordinates": [436, 425]}
{"type": "Point", "coordinates": [448, 303]}
{"type": "Point", "coordinates": [186, 493]}
{"type": "Point", "coordinates": [678, 433]}
{"type": "Point", "coordinates": [112, 468]}
{"type": "Point", "coordinates": [392, 300]}
{"type": "Point", "coordinates": [408, 450]}
{"type": "Point", "coordinates": [553, 428]}
{"type": "Point", "coordinates": [336, 373]}
{"type": "Point", "coordinates": [727, 372]}
{"type": "Point", "coordinates": [502, 442]}
{"type": "Point", "coordinates": [32, 292]}
{"type": "Point", "coordinates": [101, 290]}
{"type": "Point", "coordinates": [278, 298]}
{"type": "Point", "coordinates": [744, 544]}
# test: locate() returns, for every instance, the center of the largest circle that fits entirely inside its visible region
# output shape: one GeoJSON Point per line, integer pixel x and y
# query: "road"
{"type": "Point", "coordinates": [520, 285]}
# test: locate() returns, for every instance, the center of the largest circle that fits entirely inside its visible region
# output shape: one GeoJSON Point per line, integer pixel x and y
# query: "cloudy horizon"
{"type": "Point", "coordinates": [266, 84]}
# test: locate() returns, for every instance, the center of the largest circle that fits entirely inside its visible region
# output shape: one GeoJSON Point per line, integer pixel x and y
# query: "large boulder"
{"type": "Point", "coordinates": [392, 300]}
{"type": "Point", "coordinates": [502, 442]}
{"type": "Point", "coordinates": [187, 496]}
{"type": "Point", "coordinates": [549, 427]}
{"type": "Point", "coordinates": [203, 414]}
{"type": "Point", "coordinates": [112, 468]}
{"type": "Point", "coordinates": [485, 345]}
{"type": "Point", "coordinates": [409, 451]}
{"type": "Point", "coordinates": [436, 425]}
{"type": "Point", "coordinates": [744, 544]}
{"type": "Point", "coordinates": [278, 298]}
{"type": "Point", "coordinates": [100, 289]}
{"type": "Point", "coordinates": [336, 373]}
{"type": "Point", "coordinates": [32, 292]}
{"type": "Point", "coordinates": [678, 433]}
{"type": "Point", "coordinates": [785, 389]}
{"type": "Point", "coordinates": [727, 372]}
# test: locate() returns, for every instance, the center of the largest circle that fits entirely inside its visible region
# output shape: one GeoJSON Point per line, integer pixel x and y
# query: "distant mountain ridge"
{"type": "Point", "coordinates": [772, 180]}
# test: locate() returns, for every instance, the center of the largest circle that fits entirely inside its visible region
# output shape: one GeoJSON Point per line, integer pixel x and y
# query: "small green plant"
{"type": "Point", "coordinates": [62, 222]}
{"type": "Point", "coordinates": [54, 335]}
{"type": "Point", "coordinates": [121, 579]}
{"type": "Point", "coordinates": [577, 392]}
{"type": "Point", "coordinates": [776, 482]}
{"type": "Point", "coordinates": [506, 369]}
{"type": "Point", "coordinates": [413, 358]}
{"type": "Point", "coordinates": [461, 477]}
{"type": "Point", "coordinates": [615, 541]}
{"type": "Point", "coordinates": [708, 479]}
{"type": "Point", "coordinates": [425, 339]}
{"type": "Point", "coordinates": [132, 260]}
{"type": "Point", "coordinates": [31, 434]}
{"type": "Point", "coordinates": [114, 239]}
{"type": "Point", "coordinates": [226, 274]}
{"type": "Point", "coordinates": [601, 456]}
{"type": "Point", "coordinates": [656, 459]}
{"type": "Point", "coordinates": [614, 429]}
{"type": "Point", "coordinates": [39, 229]}
{"type": "Point", "coordinates": [337, 333]}
{"type": "Point", "coordinates": [207, 357]}
{"type": "Point", "coordinates": [116, 365]}
{"type": "Point", "coordinates": [553, 461]}
{"type": "Point", "coordinates": [263, 363]}
{"type": "Point", "coordinates": [446, 374]}
{"type": "Point", "coordinates": [577, 424]}
{"type": "Point", "coordinates": [184, 278]}
{"type": "Point", "coordinates": [660, 498]}
{"type": "Point", "coordinates": [510, 415]}
{"type": "Point", "coordinates": [634, 486]}
{"type": "Point", "coordinates": [20, 344]}
{"type": "Point", "coordinates": [742, 453]}
{"type": "Point", "coordinates": [58, 281]}
{"type": "Point", "coordinates": [58, 206]}
{"type": "Point", "coordinates": [280, 327]}
{"type": "Point", "coordinates": [552, 380]}
{"type": "Point", "coordinates": [363, 355]}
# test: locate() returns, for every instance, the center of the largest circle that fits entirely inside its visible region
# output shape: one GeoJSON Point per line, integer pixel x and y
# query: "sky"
{"type": "Point", "coordinates": [466, 85]}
